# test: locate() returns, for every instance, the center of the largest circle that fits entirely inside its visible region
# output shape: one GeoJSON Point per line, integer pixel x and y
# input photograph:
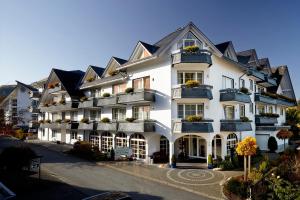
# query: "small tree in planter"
{"type": "Point", "coordinates": [192, 83]}
{"type": "Point", "coordinates": [105, 120]}
{"type": "Point", "coordinates": [129, 90]}
{"type": "Point", "coordinates": [191, 49]}
{"type": "Point", "coordinates": [173, 161]}
{"type": "Point", "coordinates": [106, 95]}
{"type": "Point", "coordinates": [247, 148]}
{"type": "Point", "coordinates": [194, 118]}
{"type": "Point", "coordinates": [84, 120]}
{"type": "Point", "coordinates": [284, 134]}
{"type": "Point", "coordinates": [209, 162]}
{"type": "Point", "coordinates": [131, 119]}
{"type": "Point", "coordinates": [84, 98]}
{"type": "Point", "coordinates": [272, 144]}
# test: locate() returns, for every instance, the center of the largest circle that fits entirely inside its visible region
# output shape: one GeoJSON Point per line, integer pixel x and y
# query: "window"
{"type": "Point", "coordinates": [270, 109]}
{"type": "Point", "coordinates": [164, 145]}
{"type": "Point", "coordinates": [281, 111]}
{"type": "Point", "coordinates": [54, 133]}
{"type": "Point", "coordinates": [251, 108]}
{"type": "Point", "coordinates": [229, 112]}
{"type": "Point", "coordinates": [231, 142]}
{"type": "Point", "coordinates": [74, 135]}
{"type": "Point", "coordinates": [261, 109]}
{"type": "Point", "coordinates": [141, 112]}
{"type": "Point", "coordinates": [242, 110]}
{"type": "Point", "coordinates": [141, 83]}
{"type": "Point", "coordinates": [251, 84]}
{"type": "Point", "coordinates": [260, 89]}
{"type": "Point", "coordinates": [94, 115]}
{"type": "Point", "coordinates": [118, 113]}
{"type": "Point", "coordinates": [227, 82]}
{"type": "Point", "coordinates": [74, 116]}
{"type": "Point", "coordinates": [189, 42]}
{"type": "Point", "coordinates": [185, 110]}
{"type": "Point", "coordinates": [242, 83]}
{"type": "Point", "coordinates": [94, 139]}
{"type": "Point", "coordinates": [106, 141]}
{"type": "Point", "coordinates": [121, 140]}
{"type": "Point", "coordinates": [138, 146]}
{"type": "Point", "coordinates": [119, 88]}
{"type": "Point", "coordinates": [183, 77]}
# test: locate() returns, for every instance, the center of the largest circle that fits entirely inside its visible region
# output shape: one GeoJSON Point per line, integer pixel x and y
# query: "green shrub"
{"type": "Point", "coordinates": [194, 118]}
{"type": "Point", "coordinates": [235, 161]}
{"type": "Point", "coordinates": [209, 159]}
{"type": "Point", "coordinates": [130, 119]}
{"type": "Point", "coordinates": [113, 73]}
{"type": "Point", "coordinates": [129, 90]}
{"type": "Point", "coordinates": [84, 98]}
{"type": "Point", "coordinates": [16, 158]}
{"type": "Point", "coordinates": [192, 83]}
{"type": "Point", "coordinates": [226, 165]}
{"type": "Point", "coordinates": [227, 158]}
{"type": "Point", "coordinates": [255, 175]}
{"type": "Point", "coordinates": [58, 121]}
{"type": "Point", "coordinates": [244, 90]}
{"type": "Point", "coordinates": [272, 144]}
{"type": "Point", "coordinates": [263, 166]}
{"type": "Point", "coordinates": [67, 120]}
{"type": "Point", "coordinates": [106, 95]}
{"type": "Point", "coordinates": [244, 119]}
{"type": "Point", "coordinates": [84, 120]}
{"type": "Point", "coordinates": [237, 187]}
{"type": "Point", "coordinates": [191, 49]}
{"type": "Point", "coordinates": [62, 101]}
{"type": "Point", "coordinates": [48, 121]}
{"type": "Point", "coordinates": [105, 120]}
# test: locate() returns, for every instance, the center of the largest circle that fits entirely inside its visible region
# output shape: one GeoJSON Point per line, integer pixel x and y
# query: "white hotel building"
{"type": "Point", "coordinates": [161, 102]}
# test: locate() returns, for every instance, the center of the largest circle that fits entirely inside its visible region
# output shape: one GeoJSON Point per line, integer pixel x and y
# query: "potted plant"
{"type": "Point", "coordinates": [105, 120]}
{"type": "Point", "coordinates": [194, 118]}
{"type": "Point", "coordinates": [129, 90]}
{"type": "Point", "coordinates": [48, 121]}
{"type": "Point", "coordinates": [191, 49]}
{"type": "Point", "coordinates": [84, 98]}
{"type": "Point", "coordinates": [244, 90]}
{"type": "Point", "coordinates": [106, 95]}
{"type": "Point", "coordinates": [173, 161]}
{"type": "Point", "coordinates": [192, 84]}
{"type": "Point", "coordinates": [209, 162]}
{"type": "Point", "coordinates": [62, 101]}
{"type": "Point", "coordinates": [244, 119]}
{"type": "Point", "coordinates": [90, 79]}
{"type": "Point", "coordinates": [130, 119]}
{"type": "Point", "coordinates": [84, 120]}
{"type": "Point", "coordinates": [58, 121]}
{"type": "Point", "coordinates": [113, 73]}
{"type": "Point", "coordinates": [67, 120]}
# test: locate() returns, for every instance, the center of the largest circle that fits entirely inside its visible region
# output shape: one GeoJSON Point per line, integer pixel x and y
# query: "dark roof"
{"type": "Point", "coordinates": [168, 38]}
{"type": "Point", "coordinates": [39, 84]}
{"type": "Point", "coordinates": [70, 80]}
{"type": "Point", "coordinates": [151, 48]}
{"type": "Point", "coordinates": [251, 53]}
{"type": "Point", "coordinates": [5, 90]}
{"type": "Point", "coordinates": [27, 86]}
{"type": "Point", "coordinates": [99, 70]}
{"type": "Point", "coordinates": [120, 60]}
{"type": "Point", "coordinates": [223, 46]}
{"type": "Point", "coordinates": [243, 59]}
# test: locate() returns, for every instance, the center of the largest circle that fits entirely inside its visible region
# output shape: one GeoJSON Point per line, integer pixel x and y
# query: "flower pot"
{"type": "Point", "coordinates": [173, 165]}
{"type": "Point", "coordinates": [210, 166]}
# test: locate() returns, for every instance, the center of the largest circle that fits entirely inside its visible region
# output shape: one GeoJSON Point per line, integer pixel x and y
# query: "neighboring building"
{"type": "Point", "coordinates": [232, 86]}
{"type": "Point", "coordinates": [5, 90]}
{"type": "Point", "coordinates": [19, 108]}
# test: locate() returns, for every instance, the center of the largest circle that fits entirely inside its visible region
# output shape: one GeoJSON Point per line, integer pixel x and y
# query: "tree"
{"type": "Point", "coordinates": [284, 134]}
{"type": "Point", "coordinates": [247, 148]}
{"type": "Point", "coordinates": [272, 144]}
{"type": "Point", "coordinates": [293, 119]}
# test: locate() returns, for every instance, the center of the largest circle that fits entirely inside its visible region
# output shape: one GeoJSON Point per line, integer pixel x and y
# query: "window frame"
{"type": "Point", "coordinates": [196, 78]}
{"type": "Point", "coordinates": [224, 78]}
{"type": "Point", "coordinates": [225, 113]}
{"type": "Point", "coordinates": [196, 110]}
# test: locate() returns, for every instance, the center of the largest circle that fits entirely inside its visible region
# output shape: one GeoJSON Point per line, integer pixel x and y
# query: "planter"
{"type": "Point", "coordinates": [173, 165]}
{"type": "Point", "coordinates": [210, 166]}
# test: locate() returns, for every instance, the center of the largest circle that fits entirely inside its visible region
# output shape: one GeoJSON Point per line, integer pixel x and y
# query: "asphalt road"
{"type": "Point", "coordinates": [92, 179]}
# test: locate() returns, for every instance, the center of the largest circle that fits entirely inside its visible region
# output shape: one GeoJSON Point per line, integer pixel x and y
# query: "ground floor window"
{"type": "Point", "coordinates": [138, 146]}
{"type": "Point", "coordinates": [231, 142]}
{"type": "Point", "coordinates": [74, 135]}
{"type": "Point", "coordinates": [43, 132]}
{"type": "Point", "coordinates": [164, 145]}
{"type": "Point", "coordinates": [217, 146]}
{"type": "Point", "coordinates": [106, 141]}
{"type": "Point", "coordinates": [94, 139]}
{"type": "Point", "coordinates": [121, 140]}
{"type": "Point", "coordinates": [54, 133]}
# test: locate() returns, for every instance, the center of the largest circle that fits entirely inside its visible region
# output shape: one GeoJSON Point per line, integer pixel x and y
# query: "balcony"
{"type": "Point", "coordinates": [265, 120]}
{"type": "Point", "coordinates": [33, 109]}
{"type": "Point", "coordinates": [257, 75]}
{"type": "Point", "coordinates": [34, 95]}
{"type": "Point", "coordinates": [235, 125]}
{"type": "Point", "coordinates": [142, 96]}
{"type": "Point", "coordinates": [200, 92]}
{"type": "Point", "coordinates": [183, 126]}
{"type": "Point", "coordinates": [264, 99]}
{"type": "Point", "coordinates": [285, 102]}
{"type": "Point", "coordinates": [267, 81]}
{"type": "Point", "coordinates": [87, 126]}
{"type": "Point", "coordinates": [59, 107]}
{"type": "Point", "coordinates": [111, 126]}
{"type": "Point", "coordinates": [272, 127]}
{"type": "Point", "coordinates": [107, 101]}
{"type": "Point", "coordinates": [90, 103]}
{"type": "Point", "coordinates": [52, 125]}
{"type": "Point", "coordinates": [56, 88]}
{"type": "Point", "coordinates": [119, 78]}
{"type": "Point", "coordinates": [137, 126]}
{"type": "Point", "coordinates": [201, 57]}
{"type": "Point", "coordinates": [70, 126]}
{"type": "Point", "coordinates": [234, 95]}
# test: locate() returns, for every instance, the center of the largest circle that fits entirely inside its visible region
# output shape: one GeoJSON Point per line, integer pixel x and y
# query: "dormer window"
{"type": "Point", "coordinates": [189, 42]}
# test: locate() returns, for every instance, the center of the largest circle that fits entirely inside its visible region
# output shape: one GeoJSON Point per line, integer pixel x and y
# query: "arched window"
{"type": "Point", "coordinates": [106, 141]}
{"type": "Point", "coordinates": [138, 146]}
{"type": "Point", "coordinates": [164, 145]}
{"type": "Point", "coordinates": [231, 142]}
{"type": "Point", "coordinates": [121, 140]}
{"type": "Point", "coordinates": [94, 138]}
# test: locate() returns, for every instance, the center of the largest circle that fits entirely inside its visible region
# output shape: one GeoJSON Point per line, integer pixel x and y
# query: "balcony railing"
{"type": "Point", "coordinates": [201, 92]}
{"type": "Point", "coordinates": [183, 126]}
{"type": "Point", "coordinates": [56, 89]}
{"type": "Point", "coordinates": [265, 120]}
{"type": "Point", "coordinates": [235, 125]}
{"type": "Point", "coordinates": [111, 126]}
{"type": "Point", "coordinates": [267, 81]}
{"type": "Point", "coordinates": [272, 127]}
{"type": "Point", "coordinates": [142, 96]}
{"type": "Point", "coordinates": [259, 76]}
{"type": "Point", "coordinates": [264, 99]}
{"type": "Point", "coordinates": [107, 101]}
{"type": "Point", "coordinates": [59, 107]}
{"type": "Point", "coordinates": [87, 126]}
{"type": "Point", "coordinates": [201, 57]}
{"type": "Point", "coordinates": [137, 126]}
{"type": "Point", "coordinates": [90, 103]}
{"type": "Point", "coordinates": [234, 95]}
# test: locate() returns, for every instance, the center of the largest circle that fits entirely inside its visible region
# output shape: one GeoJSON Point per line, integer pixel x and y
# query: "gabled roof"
{"type": "Point", "coordinates": [39, 84]}
{"type": "Point", "coordinates": [243, 59]}
{"type": "Point", "coordinates": [151, 48]}
{"type": "Point", "coordinates": [98, 70]}
{"type": "Point", "coordinates": [120, 60]}
{"type": "Point", "coordinates": [251, 53]}
{"type": "Point", "coordinates": [29, 87]}
{"type": "Point", "coordinates": [5, 90]}
{"type": "Point", "coordinates": [117, 60]}
{"type": "Point", "coordinates": [223, 46]}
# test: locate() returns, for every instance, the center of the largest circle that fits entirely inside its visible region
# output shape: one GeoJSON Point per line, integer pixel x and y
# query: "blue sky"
{"type": "Point", "coordinates": [72, 34]}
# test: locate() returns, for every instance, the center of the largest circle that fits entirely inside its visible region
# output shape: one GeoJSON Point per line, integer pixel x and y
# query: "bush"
{"type": "Point", "coordinates": [106, 95]}
{"type": "Point", "coordinates": [244, 90]}
{"type": "Point", "coordinates": [84, 120]}
{"type": "Point", "coordinates": [130, 119]}
{"type": "Point", "coordinates": [272, 144]}
{"type": "Point", "coordinates": [244, 119]}
{"type": "Point", "coordinates": [237, 187]}
{"type": "Point", "coordinates": [191, 49]}
{"type": "Point", "coordinates": [84, 98]}
{"type": "Point", "coordinates": [105, 120]}
{"type": "Point", "coordinates": [226, 165]}
{"type": "Point", "coordinates": [16, 158]}
{"type": "Point", "coordinates": [192, 83]}
{"type": "Point", "coordinates": [90, 79]}
{"type": "Point", "coordinates": [48, 121]}
{"type": "Point", "coordinates": [113, 73]}
{"type": "Point", "coordinates": [62, 101]}
{"type": "Point", "coordinates": [67, 120]}
{"type": "Point", "coordinates": [129, 90]}
{"type": "Point", "coordinates": [58, 121]}
{"type": "Point", "coordinates": [20, 134]}
{"type": "Point", "coordinates": [194, 118]}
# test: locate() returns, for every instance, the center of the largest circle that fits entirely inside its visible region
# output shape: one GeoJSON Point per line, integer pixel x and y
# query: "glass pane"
{"type": "Point", "coordinates": [190, 110]}
{"type": "Point", "coordinates": [180, 111]}
{"type": "Point", "coordinates": [200, 109]}
{"type": "Point", "coordinates": [180, 78]}
{"type": "Point", "coordinates": [189, 76]}
{"type": "Point", "coordinates": [200, 77]}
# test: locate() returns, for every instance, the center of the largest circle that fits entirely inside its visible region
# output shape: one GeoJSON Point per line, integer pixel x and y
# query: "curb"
{"type": "Point", "coordinates": [161, 182]}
